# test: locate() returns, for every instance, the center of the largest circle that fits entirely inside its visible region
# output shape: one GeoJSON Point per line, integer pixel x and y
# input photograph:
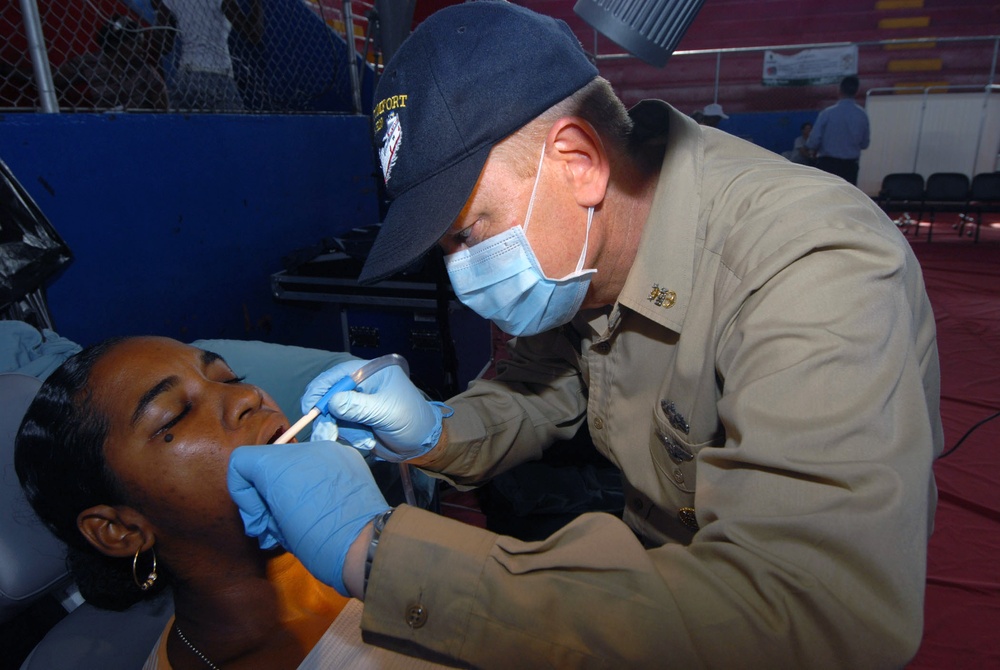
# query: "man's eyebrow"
{"type": "Point", "coordinates": [150, 395]}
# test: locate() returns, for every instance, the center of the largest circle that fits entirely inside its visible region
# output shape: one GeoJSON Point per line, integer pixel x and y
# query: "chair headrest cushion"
{"type": "Point", "coordinates": [32, 560]}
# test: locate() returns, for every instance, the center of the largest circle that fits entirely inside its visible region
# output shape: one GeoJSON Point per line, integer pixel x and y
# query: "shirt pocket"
{"type": "Point", "coordinates": [671, 450]}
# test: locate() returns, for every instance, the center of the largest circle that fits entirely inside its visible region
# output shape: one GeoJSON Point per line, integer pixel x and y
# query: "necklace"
{"type": "Point", "coordinates": [194, 648]}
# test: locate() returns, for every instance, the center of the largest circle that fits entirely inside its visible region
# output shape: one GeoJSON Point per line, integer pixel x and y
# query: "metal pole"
{"type": "Point", "coordinates": [985, 111]}
{"type": "Point", "coordinates": [352, 56]}
{"type": "Point", "coordinates": [813, 45]}
{"type": "Point", "coordinates": [986, 97]}
{"type": "Point", "coordinates": [993, 65]}
{"type": "Point", "coordinates": [920, 128]}
{"type": "Point", "coordinates": [993, 72]}
{"type": "Point", "coordinates": [718, 67]}
{"type": "Point", "coordinates": [39, 57]}
{"type": "Point", "coordinates": [982, 115]}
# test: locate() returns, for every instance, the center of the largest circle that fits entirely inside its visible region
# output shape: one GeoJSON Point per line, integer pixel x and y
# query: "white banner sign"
{"type": "Point", "coordinates": [810, 66]}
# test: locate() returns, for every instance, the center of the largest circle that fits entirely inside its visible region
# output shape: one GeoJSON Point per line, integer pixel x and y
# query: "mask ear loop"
{"type": "Point", "coordinates": [531, 201]}
{"type": "Point", "coordinates": [590, 219]}
{"type": "Point", "coordinates": [586, 240]}
{"type": "Point", "coordinates": [531, 205]}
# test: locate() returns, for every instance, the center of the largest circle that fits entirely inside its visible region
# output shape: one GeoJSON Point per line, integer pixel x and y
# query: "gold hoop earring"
{"type": "Point", "coordinates": [151, 579]}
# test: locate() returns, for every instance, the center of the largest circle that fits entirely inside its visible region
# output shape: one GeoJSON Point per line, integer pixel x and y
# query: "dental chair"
{"type": "Point", "coordinates": [32, 560]}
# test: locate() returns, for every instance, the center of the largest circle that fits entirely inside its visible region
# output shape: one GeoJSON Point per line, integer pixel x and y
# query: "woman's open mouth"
{"type": "Point", "coordinates": [277, 434]}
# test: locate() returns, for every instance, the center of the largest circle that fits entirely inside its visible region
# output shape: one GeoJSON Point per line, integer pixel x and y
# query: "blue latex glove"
{"type": "Point", "coordinates": [405, 424]}
{"type": "Point", "coordinates": [313, 499]}
{"type": "Point", "coordinates": [326, 428]}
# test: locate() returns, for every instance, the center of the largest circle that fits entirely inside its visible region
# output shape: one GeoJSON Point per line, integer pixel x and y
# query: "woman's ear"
{"type": "Point", "coordinates": [580, 149]}
{"type": "Point", "coordinates": [116, 531]}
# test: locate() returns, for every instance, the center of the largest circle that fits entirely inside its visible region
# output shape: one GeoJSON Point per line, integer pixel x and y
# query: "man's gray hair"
{"type": "Point", "coordinates": [596, 103]}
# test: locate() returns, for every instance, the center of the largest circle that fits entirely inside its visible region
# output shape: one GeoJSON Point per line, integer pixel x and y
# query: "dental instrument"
{"type": "Point", "coordinates": [349, 383]}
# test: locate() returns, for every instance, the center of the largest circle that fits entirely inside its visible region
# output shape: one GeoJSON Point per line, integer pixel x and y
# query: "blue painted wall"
{"type": "Point", "coordinates": [177, 222]}
{"type": "Point", "coordinates": [775, 131]}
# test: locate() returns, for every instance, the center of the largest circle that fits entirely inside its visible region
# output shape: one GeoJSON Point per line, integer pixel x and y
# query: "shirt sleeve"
{"type": "Point", "coordinates": [537, 398]}
{"type": "Point", "coordinates": [568, 601]}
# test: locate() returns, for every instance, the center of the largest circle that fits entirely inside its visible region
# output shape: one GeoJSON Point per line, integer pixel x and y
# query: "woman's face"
{"type": "Point", "coordinates": [175, 414]}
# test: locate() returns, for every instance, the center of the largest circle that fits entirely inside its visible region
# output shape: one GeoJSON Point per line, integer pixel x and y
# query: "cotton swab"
{"type": "Point", "coordinates": [348, 383]}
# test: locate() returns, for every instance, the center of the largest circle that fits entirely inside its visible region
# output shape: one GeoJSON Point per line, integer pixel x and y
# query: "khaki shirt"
{"type": "Point", "coordinates": [768, 384]}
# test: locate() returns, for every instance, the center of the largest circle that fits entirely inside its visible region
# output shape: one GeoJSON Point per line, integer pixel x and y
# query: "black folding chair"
{"type": "Point", "coordinates": [946, 192]}
{"type": "Point", "coordinates": [902, 193]}
{"type": "Point", "coordinates": [984, 197]}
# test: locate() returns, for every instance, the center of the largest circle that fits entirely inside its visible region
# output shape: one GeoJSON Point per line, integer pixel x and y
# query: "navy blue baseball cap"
{"type": "Point", "coordinates": [466, 78]}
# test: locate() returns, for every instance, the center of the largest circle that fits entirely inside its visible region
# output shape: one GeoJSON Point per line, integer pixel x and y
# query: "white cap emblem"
{"type": "Point", "coordinates": [389, 151]}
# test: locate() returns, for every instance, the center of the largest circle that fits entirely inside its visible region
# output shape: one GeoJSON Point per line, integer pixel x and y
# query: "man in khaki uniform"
{"type": "Point", "coordinates": [755, 352]}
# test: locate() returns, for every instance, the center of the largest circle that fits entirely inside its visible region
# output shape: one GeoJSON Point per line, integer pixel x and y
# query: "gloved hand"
{"type": "Point", "coordinates": [313, 499]}
{"type": "Point", "coordinates": [405, 424]}
{"type": "Point", "coordinates": [326, 428]}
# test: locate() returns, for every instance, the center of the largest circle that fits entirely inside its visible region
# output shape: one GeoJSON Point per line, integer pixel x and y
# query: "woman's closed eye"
{"type": "Point", "coordinates": [188, 407]}
{"type": "Point", "coordinates": [174, 421]}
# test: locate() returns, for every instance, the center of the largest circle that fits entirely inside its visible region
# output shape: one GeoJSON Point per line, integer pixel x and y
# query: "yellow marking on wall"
{"type": "Point", "coordinates": [899, 4]}
{"type": "Point", "coordinates": [915, 65]}
{"type": "Point", "coordinates": [902, 46]}
{"type": "Point", "coordinates": [341, 27]}
{"type": "Point", "coordinates": [904, 22]}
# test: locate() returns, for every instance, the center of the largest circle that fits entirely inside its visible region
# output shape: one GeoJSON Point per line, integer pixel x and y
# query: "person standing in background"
{"type": "Point", "coordinates": [712, 114]}
{"type": "Point", "coordinates": [841, 133]}
{"type": "Point", "coordinates": [204, 77]}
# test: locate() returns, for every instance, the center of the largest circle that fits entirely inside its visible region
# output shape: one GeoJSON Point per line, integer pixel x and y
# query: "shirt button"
{"type": "Point", "coordinates": [416, 615]}
{"type": "Point", "coordinates": [603, 347]}
{"type": "Point", "coordinates": [678, 476]}
{"type": "Point", "coordinates": [598, 423]}
{"type": "Point", "coordinates": [637, 504]}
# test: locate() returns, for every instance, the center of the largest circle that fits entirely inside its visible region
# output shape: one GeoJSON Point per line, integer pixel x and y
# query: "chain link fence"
{"type": "Point", "coordinates": [231, 56]}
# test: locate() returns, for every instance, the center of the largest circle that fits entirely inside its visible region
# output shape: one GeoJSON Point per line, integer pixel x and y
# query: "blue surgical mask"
{"type": "Point", "coordinates": [501, 279]}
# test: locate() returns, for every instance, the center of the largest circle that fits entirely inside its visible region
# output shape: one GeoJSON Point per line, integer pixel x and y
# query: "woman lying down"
{"type": "Point", "coordinates": [123, 454]}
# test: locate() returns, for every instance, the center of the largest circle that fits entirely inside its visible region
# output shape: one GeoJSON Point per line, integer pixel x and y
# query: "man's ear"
{"type": "Point", "coordinates": [116, 531]}
{"type": "Point", "coordinates": [581, 151]}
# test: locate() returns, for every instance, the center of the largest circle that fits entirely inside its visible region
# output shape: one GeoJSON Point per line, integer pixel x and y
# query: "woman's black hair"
{"type": "Point", "coordinates": [60, 462]}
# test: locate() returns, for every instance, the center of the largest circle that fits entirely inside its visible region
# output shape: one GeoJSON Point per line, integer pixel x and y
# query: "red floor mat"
{"type": "Point", "coordinates": [962, 613]}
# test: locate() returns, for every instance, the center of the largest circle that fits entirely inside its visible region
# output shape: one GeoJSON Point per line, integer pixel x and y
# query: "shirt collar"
{"type": "Point", "coordinates": [659, 285]}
